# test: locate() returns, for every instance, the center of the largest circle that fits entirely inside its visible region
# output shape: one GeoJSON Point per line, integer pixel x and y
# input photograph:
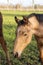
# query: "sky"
{"type": "Point", "coordinates": [23, 2]}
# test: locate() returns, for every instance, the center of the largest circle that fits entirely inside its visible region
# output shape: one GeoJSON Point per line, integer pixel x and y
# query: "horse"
{"type": "Point", "coordinates": [3, 42]}
{"type": "Point", "coordinates": [27, 27]}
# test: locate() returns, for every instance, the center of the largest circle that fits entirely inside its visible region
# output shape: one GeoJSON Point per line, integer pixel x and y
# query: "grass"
{"type": "Point", "coordinates": [30, 55]}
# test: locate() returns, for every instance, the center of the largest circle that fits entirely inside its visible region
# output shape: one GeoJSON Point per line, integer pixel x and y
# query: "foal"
{"type": "Point", "coordinates": [2, 41]}
{"type": "Point", "coordinates": [29, 25]}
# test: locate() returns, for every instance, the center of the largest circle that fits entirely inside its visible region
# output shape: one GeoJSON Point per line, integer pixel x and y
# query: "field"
{"type": "Point", "coordinates": [30, 55]}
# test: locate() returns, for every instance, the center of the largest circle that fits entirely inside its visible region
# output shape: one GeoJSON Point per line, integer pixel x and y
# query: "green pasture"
{"type": "Point", "coordinates": [31, 54]}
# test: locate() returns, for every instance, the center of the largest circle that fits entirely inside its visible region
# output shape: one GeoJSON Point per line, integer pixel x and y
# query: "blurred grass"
{"type": "Point", "coordinates": [30, 55]}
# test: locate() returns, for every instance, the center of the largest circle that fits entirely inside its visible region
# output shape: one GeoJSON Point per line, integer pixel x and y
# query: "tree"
{"type": "Point", "coordinates": [33, 3]}
{"type": "Point", "coordinates": [8, 1]}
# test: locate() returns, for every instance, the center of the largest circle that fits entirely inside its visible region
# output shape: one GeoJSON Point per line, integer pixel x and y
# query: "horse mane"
{"type": "Point", "coordinates": [38, 16]}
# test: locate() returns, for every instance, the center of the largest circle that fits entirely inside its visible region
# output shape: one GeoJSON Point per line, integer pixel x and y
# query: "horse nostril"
{"type": "Point", "coordinates": [16, 55]}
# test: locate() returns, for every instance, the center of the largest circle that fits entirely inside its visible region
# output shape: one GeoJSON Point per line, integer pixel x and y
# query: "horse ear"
{"type": "Point", "coordinates": [25, 19]}
{"type": "Point", "coordinates": [16, 19]}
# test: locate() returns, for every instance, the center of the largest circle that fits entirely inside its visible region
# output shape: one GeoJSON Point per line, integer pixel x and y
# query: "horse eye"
{"type": "Point", "coordinates": [25, 34]}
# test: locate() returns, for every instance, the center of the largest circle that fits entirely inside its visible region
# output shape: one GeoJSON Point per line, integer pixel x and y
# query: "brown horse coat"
{"type": "Point", "coordinates": [2, 41]}
{"type": "Point", "coordinates": [29, 25]}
